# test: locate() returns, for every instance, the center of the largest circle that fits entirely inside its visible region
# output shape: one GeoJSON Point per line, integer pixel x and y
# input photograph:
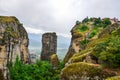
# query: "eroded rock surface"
{"type": "Point", "coordinates": [54, 61]}
{"type": "Point", "coordinates": [49, 45]}
{"type": "Point", "coordinates": [91, 43]}
{"type": "Point", "coordinates": [13, 41]}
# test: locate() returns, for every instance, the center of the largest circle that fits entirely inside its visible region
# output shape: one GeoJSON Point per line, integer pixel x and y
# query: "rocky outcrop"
{"type": "Point", "coordinates": [87, 30]}
{"type": "Point", "coordinates": [92, 48]}
{"type": "Point", "coordinates": [49, 45]}
{"type": "Point", "coordinates": [108, 30]}
{"type": "Point", "coordinates": [13, 41]}
{"type": "Point", "coordinates": [84, 71]}
{"type": "Point", "coordinates": [1, 75]}
{"type": "Point", "coordinates": [75, 46]}
{"type": "Point", "coordinates": [113, 78]}
{"type": "Point", "coordinates": [54, 61]}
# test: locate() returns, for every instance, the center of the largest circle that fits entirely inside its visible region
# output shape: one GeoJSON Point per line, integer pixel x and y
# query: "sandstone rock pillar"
{"type": "Point", "coordinates": [49, 45]}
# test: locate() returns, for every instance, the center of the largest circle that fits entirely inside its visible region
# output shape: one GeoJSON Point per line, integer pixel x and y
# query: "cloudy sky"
{"type": "Point", "coordinates": [39, 16]}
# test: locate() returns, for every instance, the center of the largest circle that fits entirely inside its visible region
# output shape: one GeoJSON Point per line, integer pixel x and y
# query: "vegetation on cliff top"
{"type": "Point", "coordinates": [92, 26]}
{"type": "Point", "coordinates": [7, 19]}
{"type": "Point", "coordinates": [108, 52]}
{"type": "Point", "coordinates": [10, 32]}
{"type": "Point", "coordinates": [105, 50]}
{"type": "Point", "coordinates": [101, 46]}
{"type": "Point", "coordinates": [12, 28]}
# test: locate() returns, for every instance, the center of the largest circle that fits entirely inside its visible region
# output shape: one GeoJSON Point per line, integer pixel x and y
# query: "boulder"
{"type": "Point", "coordinates": [84, 71]}
{"type": "Point", "coordinates": [54, 61]}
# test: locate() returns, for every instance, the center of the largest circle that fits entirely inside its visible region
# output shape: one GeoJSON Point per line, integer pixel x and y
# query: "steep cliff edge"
{"type": "Point", "coordinates": [94, 50]}
{"type": "Point", "coordinates": [83, 32]}
{"type": "Point", "coordinates": [13, 41]}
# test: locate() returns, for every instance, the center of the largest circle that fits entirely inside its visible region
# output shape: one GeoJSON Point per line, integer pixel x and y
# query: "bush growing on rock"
{"type": "Point", "coordinates": [108, 52]}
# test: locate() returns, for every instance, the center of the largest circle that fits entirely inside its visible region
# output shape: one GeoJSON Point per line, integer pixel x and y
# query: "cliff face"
{"type": "Point", "coordinates": [82, 33]}
{"type": "Point", "coordinates": [75, 46]}
{"type": "Point", "coordinates": [13, 40]}
{"type": "Point", "coordinates": [93, 52]}
{"type": "Point", "coordinates": [49, 45]}
{"type": "Point", "coordinates": [1, 75]}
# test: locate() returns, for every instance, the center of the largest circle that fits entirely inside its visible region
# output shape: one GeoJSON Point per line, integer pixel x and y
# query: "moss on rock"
{"type": "Point", "coordinates": [113, 78]}
{"type": "Point", "coordinates": [76, 68]}
{"type": "Point", "coordinates": [78, 58]}
{"type": "Point", "coordinates": [7, 19]}
{"type": "Point", "coordinates": [54, 60]}
{"type": "Point", "coordinates": [83, 71]}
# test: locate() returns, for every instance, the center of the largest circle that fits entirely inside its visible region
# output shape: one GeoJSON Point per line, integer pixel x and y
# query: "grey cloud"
{"type": "Point", "coordinates": [58, 15]}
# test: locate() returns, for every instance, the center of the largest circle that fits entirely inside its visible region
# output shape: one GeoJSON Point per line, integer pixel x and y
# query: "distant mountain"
{"type": "Point", "coordinates": [35, 43]}
{"type": "Point", "coordinates": [63, 42]}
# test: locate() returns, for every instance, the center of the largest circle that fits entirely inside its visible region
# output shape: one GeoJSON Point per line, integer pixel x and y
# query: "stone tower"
{"type": "Point", "coordinates": [49, 45]}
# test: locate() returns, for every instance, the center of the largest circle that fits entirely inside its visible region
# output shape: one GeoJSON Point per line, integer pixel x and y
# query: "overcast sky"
{"type": "Point", "coordinates": [39, 16]}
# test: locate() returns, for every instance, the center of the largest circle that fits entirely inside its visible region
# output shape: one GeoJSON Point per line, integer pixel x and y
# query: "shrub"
{"type": "Point", "coordinates": [93, 33]}
{"type": "Point", "coordinates": [85, 20]}
{"type": "Point", "coordinates": [97, 21]}
{"type": "Point", "coordinates": [41, 70]}
{"type": "Point", "coordinates": [83, 42]}
{"type": "Point", "coordinates": [106, 22]}
{"type": "Point", "coordinates": [77, 22]}
{"type": "Point", "coordinates": [83, 28]}
{"type": "Point", "coordinates": [108, 52]}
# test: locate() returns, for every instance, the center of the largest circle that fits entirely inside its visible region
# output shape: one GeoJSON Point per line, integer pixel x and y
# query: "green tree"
{"type": "Point", "coordinates": [106, 22]}
{"type": "Point", "coordinates": [83, 28]}
{"type": "Point", "coordinates": [108, 52]}
{"type": "Point", "coordinates": [41, 70]}
{"type": "Point", "coordinates": [97, 21]}
{"type": "Point", "coordinates": [77, 22]}
{"type": "Point", "coordinates": [85, 20]}
{"type": "Point", "coordinates": [93, 33]}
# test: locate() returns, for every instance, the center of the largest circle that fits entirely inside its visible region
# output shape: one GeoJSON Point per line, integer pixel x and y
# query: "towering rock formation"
{"type": "Point", "coordinates": [93, 40]}
{"type": "Point", "coordinates": [74, 46]}
{"type": "Point", "coordinates": [77, 38]}
{"type": "Point", "coordinates": [85, 31]}
{"type": "Point", "coordinates": [13, 41]}
{"type": "Point", "coordinates": [49, 45]}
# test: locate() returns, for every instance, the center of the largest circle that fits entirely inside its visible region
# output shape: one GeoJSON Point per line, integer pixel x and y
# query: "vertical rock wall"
{"type": "Point", "coordinates": [49, 45]}
{"type": "Point", "coordinates": [75, 46]}
{"type": "Point", "coordinates": [13, 41]}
